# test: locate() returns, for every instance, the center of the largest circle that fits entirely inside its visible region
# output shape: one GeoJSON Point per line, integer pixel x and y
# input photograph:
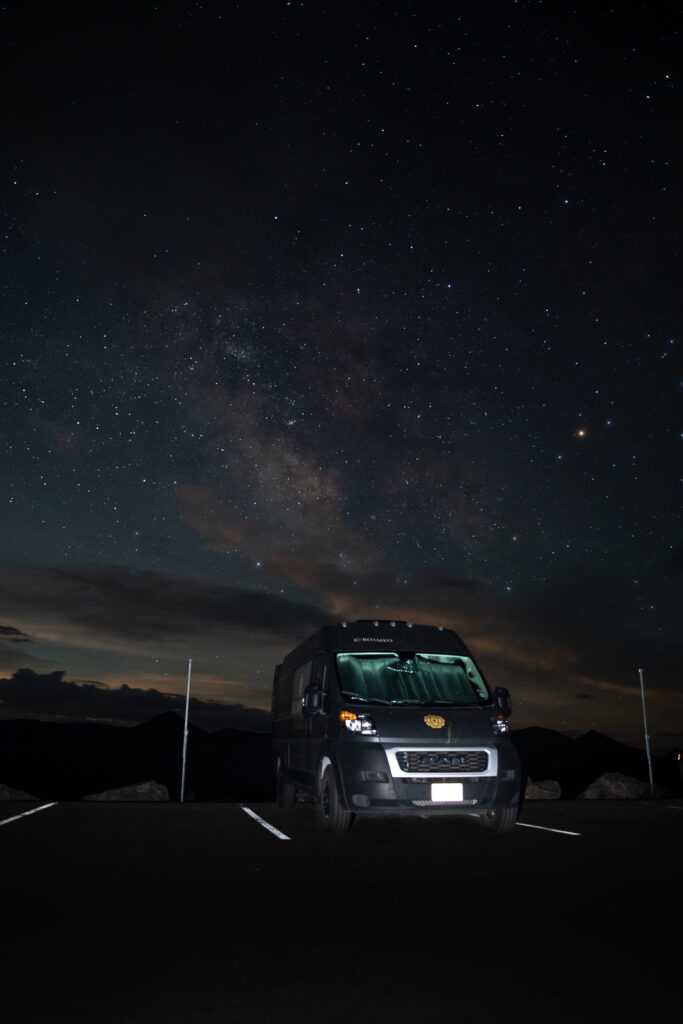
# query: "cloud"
{"type": "Point", "coordinates": [15, 636]}
{"type": "Point", "coordinates": [110, 621]}
{"type": "Point", "coordinates": [16, 644]}
{"type": "Point", "coordinates": [29, 694]}
{"type": "Point", "coordinates": [130, 604]}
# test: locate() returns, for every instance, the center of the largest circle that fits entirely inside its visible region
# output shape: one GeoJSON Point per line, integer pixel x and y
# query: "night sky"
{"type": "Point", "coordinates": [319, 311]}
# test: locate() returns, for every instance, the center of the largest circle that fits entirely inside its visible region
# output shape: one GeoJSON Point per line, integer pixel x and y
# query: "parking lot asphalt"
{"type": "Point", "coordinates": [133, 913]}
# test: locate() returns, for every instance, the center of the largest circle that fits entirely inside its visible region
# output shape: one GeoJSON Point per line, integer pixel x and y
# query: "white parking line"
{"type": "Point", "coordinates": [25, 814]}
{"type": "Point", "coordinates": [561, 831]}
{"type": "Point", "coordinates": [266, 824]}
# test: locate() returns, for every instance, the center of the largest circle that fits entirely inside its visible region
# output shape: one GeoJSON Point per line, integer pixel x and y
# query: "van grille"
{"type": "Point", "coordinates": [443, 762]}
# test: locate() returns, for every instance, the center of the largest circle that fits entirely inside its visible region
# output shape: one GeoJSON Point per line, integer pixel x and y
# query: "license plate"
{"type": "Point", "coordinates": [447, 792]}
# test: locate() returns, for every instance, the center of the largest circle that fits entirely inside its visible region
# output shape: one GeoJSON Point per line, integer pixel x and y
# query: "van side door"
{"type": "Point", "coordinates": [298, 733]}
{"type": "Point", "coordinates": [317, 725]}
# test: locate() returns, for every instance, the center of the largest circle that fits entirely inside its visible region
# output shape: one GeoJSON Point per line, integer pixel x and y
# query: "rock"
{"type": "Point", "coordinates": [8, 793]}
{"type": "Point", "coordinates": [149, 791]}
{"type": "Point", "coordinates": [614, 786]}
{"type": "Point", "coordinates": [547, 789]}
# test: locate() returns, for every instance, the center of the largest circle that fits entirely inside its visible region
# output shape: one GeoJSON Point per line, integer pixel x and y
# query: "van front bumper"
{"type": "Point", "coordinates": [368, 787]}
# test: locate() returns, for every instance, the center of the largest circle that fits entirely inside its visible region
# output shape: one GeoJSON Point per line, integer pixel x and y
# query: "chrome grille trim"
{"type": "Point", "coordinates": [490, 770]}
{"type": "Point", "coordinates": [443, 762]}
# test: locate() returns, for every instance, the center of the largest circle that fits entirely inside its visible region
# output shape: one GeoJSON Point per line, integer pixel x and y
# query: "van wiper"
{"type": "Point", "coordinates": [366, 700]}
{"type": "Point", "coordinates": [425, 702]}
{"type": "Point", "coordinates": [430, 703]}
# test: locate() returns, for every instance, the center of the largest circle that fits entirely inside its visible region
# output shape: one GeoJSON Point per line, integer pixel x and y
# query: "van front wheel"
{"type": "Point", "coordinates": [500, 820]}
{"type": "Point", "coordinates": [336, 820]}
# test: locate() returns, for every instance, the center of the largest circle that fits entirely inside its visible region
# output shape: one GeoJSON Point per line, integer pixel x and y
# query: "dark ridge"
{"type": "Point", "coordinates": [65, 761]}
{"type": "Point", "coordinates": [575, 763]}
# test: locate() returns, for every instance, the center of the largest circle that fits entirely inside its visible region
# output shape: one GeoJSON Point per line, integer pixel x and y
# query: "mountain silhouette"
{"type": "Point", "coordinates": [66, 761]}
{"type": "Point", "coordinates": [575, 763]}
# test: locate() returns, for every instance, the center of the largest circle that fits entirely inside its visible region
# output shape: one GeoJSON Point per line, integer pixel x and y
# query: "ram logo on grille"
{"type": "Point", "coordinates": [444, 762]}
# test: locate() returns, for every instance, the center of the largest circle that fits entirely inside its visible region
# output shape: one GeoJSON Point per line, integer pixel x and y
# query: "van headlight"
{"type": "Point", "coordinates": [363, 724]}
{"type": "Point", "coordinates": [500, 725]}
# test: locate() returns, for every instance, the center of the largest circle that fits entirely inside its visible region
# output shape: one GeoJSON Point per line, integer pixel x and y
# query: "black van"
{"type": "Point", "coordinates": [387, 718]}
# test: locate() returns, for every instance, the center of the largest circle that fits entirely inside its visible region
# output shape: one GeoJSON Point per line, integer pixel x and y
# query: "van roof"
{"type": "Point", "coordinates": [376, 635]}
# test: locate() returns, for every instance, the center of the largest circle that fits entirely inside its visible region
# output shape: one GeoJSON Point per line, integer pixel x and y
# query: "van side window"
{"type": "Point", "coordinates": [321, 676]}
{"type": "Point", "coordinates": [282, 701]}
{"type": "Point", "coordinates": [320, 671]}
{"type": "Point", "coordinates": [301, 678]}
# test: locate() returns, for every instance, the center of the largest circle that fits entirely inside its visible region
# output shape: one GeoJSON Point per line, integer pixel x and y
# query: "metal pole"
{"type": "Point", "coordinates": [187, 711]}
{"type": "Point", "coordinates": [647, 737]}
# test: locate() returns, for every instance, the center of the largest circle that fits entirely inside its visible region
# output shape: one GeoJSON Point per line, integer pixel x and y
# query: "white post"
{"type": "Point", "coordinates": [647, 737]}
{"type": "Point", "coordinates": [187, 711]}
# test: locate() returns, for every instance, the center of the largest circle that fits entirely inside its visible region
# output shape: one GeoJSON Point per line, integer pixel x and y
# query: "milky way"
{"type": "Point", "coordinates": [361, 311]}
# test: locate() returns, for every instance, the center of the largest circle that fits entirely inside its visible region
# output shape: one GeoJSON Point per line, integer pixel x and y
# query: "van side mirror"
{"type": "Point", "coordinates": [314, 700]}
{"type": "Point", "coordinates": [502, 701]}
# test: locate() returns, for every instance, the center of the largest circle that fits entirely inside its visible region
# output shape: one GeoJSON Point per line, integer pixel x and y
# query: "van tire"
{"type": "Point", "coordinates": [336, 820]}
{"type": "Point", "coordinates": [499, 820]}
{"type": "Point", "coordinates": [285, 791]}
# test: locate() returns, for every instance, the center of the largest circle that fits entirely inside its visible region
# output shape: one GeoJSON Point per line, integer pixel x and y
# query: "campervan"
{"type": "Point", "coordinates": [389, 718]}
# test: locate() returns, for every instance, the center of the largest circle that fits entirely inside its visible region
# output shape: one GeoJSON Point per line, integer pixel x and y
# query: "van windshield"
{"type": "Point", "coordinates": [411, 678]}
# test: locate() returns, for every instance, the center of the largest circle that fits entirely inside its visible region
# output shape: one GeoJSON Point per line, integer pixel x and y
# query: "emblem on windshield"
{"type": "Point", "coordinates": [435, 721]}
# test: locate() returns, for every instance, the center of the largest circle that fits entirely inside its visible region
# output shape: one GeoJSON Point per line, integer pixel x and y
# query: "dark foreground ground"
{"type": "Point", "coordinates": [142, 914]}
